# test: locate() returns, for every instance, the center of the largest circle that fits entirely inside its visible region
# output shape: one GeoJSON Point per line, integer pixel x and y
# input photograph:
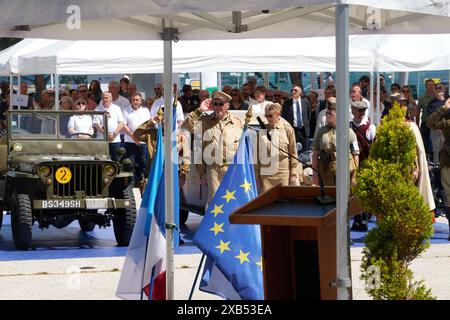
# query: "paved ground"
{"type": "Point", "coordinates": [97, 278]}
{"type": "Point", "coordinates": [68, 264]}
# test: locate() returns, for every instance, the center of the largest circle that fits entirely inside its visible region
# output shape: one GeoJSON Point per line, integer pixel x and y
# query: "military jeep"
{"type": "Point", "coordinates": [52, 177]}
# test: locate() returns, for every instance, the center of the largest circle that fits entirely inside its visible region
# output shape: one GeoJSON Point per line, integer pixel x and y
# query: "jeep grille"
{"type": "Point", "coordinates": [85, 177]}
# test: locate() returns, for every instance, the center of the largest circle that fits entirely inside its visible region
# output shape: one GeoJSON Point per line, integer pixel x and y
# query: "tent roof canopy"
{"type": "Point", "coordinates": [111, 57]}
{"type": "Point", "coordinates": [366, 53]}
{"type": "Point", "coordinates": [202, 19]}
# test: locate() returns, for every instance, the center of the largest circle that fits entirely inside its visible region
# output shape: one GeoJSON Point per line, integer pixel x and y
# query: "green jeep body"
{"type": "Point", "coordinates": [50, 177]}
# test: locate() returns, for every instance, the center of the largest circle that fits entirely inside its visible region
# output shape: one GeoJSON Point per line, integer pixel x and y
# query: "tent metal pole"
{"type": "Point", "coordinates": [219, 81]}
{"type": "Point", "coordinates": [11, 83]}
{"type": "Point", "coordinates": [343, 281]}
{"type": "Point", "coordinates": [266, 80]}
{"type": "Point", "coordinates": [372, 104]}
{"type": "Point", "coordinates": [56, 91]}
{"type": "Point", "coordinates": [169, 135]}
{"type": "Point", "coordinates": [378, 113]}
{"type": "Point", "coordinates": [52, 82]}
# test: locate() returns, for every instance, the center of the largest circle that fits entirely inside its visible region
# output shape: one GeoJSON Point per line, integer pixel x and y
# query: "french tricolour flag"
{"type": "Point", "coordinates": [144, 272]}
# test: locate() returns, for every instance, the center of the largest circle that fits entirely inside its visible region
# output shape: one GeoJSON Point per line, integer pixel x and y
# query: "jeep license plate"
{"type": "Point", "coordinates": [56, 204]}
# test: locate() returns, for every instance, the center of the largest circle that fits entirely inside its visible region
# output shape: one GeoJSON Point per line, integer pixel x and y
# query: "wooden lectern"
{"type": "Point", "coordinates": [298, 236]}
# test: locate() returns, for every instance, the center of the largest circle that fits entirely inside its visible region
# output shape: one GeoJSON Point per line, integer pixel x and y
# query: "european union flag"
{"type": "Point", "coordinates": [233, 269]}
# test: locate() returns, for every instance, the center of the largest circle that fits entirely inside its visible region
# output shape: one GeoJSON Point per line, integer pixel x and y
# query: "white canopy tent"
{"type": "Point", "coordinates": [113, 57]}
{"type": "Point", "coordinates": [219, 19]}
{"type": "Point", "coordinates": [384, 53]}
{"type": "Point", "coordinates": [10, 56]}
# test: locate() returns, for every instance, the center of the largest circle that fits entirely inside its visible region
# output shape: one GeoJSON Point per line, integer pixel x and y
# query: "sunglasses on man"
{"type": "Point", "coordinates": [218, 104]}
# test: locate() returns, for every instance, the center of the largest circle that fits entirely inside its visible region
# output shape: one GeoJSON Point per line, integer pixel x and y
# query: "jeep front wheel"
{"type": "Point", "coordinates": [21, 220]}
{"type": "Point", "coordinates": [124, 219]}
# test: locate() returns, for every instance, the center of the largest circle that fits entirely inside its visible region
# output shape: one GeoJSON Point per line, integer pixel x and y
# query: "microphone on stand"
{"type": "Point", "coordinates": [323, 198]}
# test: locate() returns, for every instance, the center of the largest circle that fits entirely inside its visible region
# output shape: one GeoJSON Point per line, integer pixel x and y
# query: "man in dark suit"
{"type": "Point", "coordinates": [297, 111]}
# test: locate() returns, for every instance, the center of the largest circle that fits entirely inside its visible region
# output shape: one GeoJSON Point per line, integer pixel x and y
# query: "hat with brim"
{"type": "Point", "coordinates": [221, 95]}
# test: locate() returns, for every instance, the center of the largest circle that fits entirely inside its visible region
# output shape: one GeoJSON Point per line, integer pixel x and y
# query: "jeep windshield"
{"type": "Point", "coordinates": [56, 125]}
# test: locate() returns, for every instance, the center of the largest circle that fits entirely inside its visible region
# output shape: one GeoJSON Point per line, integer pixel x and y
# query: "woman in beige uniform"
{"type": "Point", "coordinates": [275, 166]}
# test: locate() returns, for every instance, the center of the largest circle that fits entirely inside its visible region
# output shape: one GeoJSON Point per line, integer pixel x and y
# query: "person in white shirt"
{"type": "Point", "coordinates": [116, 123]}
{"type": "Point", "coordinates": [136, 150]}
{"type": "Point", "coordinates": [160, 103]}
{"type": "Point", "coordinates": [121, 101]}
{"type": "Point", "coordinates": [117, 99]}
{"type": "Point", "coordinates": [80, 126]}
{"type": "Point", "coordinates": [259, 107]}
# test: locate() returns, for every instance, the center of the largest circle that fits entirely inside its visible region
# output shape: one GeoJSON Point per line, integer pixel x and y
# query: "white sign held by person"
{"type": "Point", "coordinates": [20, 100]}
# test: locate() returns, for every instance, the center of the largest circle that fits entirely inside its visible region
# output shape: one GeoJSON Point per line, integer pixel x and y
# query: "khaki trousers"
{"type": "Point", "coordinates": [214, 176]}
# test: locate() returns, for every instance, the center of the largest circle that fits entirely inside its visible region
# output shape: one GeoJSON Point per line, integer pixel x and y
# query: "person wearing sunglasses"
{"type": "Point", "coordinates": [281, 168]}
{"type": "Point", "coordinates": [297, 111]}
{"type": "Point", "coordinates": [237, 101]}
{"type": "Point", "coordinates": [413, 110]}
{"type": "Point", "coordinates": [83, 93]}
{"type": "Point", "coordinates": [324, 149]}
{"type": "Point", "coordinates": [220, 134]}
{"type": "Point", "coordinates": [80, 125]}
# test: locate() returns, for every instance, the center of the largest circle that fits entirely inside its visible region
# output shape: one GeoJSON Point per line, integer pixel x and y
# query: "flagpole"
{"type": "Point", "coordinates": [168, 36]}
{"type": "Point", "coordinates": [196, 276]}
{"type": "Point", "coordinates": [143, 271]}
